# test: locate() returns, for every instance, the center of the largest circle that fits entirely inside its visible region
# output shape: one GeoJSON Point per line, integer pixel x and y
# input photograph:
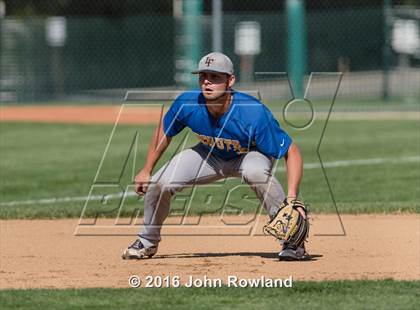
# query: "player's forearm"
{"type": "Point", "coordinates": [157, 146]}
{"type": "Point", "coordinates": [294, 166]}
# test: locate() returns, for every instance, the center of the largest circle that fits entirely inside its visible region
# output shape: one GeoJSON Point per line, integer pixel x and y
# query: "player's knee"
{"type": "Point", "coordinates": [166, 185]}
{"type": "Point", "coordinates": [255, 174]}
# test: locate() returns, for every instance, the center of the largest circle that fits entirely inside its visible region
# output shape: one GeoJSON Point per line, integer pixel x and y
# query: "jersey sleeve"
{"type": "Point", "coordinates": [270, 138]}
{"type": "Point", "coordinates": [172, 121]}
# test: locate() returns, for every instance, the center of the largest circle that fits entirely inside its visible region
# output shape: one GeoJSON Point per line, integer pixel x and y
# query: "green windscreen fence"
{"type": "Point", "coordinates": [98, 53]}
{"type": "Point", "coordinates": [140, 51]}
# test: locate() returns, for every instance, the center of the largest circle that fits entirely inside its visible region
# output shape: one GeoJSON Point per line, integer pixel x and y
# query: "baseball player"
{"type": "Point", "coordinates": [239, 137]}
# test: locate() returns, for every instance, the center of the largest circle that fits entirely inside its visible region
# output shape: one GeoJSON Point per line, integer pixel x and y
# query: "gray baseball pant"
{"type": "Point", "coordinates": [196, 166]}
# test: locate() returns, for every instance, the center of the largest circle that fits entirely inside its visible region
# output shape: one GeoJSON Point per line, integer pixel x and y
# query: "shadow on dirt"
{"type": "Point", "coordinates": [271, 255]}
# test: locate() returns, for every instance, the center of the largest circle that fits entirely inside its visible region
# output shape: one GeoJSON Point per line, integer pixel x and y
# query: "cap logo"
{"type": "Point", "coordinates": [208, 61]}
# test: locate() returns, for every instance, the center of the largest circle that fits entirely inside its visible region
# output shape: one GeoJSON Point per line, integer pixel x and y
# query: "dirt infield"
{"type": "Point", "coordinates": [108, 114]}
{"type": "Point", "coordinates": [45, 253]}
{"type": "Point", "coordinates": [81, 114]}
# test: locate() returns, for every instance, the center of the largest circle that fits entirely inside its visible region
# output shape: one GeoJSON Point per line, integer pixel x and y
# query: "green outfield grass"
{"type": "Point", "coordinates": [385, 294]}
{"type": "Point", "coordinates": [340, 105]}
{"type": "Point", "coordinates": [45, 161]}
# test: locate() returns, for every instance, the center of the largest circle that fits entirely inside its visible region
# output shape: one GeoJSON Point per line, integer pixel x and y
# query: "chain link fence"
{"type": "Point", "coordinates": [64, 51]}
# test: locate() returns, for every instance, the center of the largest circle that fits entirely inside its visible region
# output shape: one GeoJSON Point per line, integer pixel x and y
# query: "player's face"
{"type": "Point", "coordinates": [214, 85]}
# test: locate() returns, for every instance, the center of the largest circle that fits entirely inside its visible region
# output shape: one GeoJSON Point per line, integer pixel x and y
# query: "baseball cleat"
{"type": "Point", "coordinates": [290, 254]}
{"type": "Point", "coordinates": [138, 251]}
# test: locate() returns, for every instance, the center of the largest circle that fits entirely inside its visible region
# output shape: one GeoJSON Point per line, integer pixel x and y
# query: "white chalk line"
{"type": "Point", "coordinates": [332, 164]}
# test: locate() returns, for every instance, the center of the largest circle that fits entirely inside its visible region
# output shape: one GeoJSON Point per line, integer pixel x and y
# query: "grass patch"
{"type": "Point", "coordinates": [386, 294]}
{"type": "Point", "coordinates": [44, 161]}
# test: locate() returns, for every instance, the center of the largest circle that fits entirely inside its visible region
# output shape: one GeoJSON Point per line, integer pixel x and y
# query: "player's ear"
{"type": "Point", "coordinates": [231, 80]}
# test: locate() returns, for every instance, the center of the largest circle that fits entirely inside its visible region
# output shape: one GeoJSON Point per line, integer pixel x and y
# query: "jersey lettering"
{"type": "Point", "coordinates": [223, 144]}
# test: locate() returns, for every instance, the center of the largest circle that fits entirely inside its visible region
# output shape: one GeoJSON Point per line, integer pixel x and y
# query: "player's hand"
{"type": "Point", "coordinates": [141, 182]}
{"type": "Point", "coordinates": [290, 200]}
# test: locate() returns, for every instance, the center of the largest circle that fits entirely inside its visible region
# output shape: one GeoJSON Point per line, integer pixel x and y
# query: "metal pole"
{"type": "Point", "coordinates": [217, 26]}
{"type": "Point", "coordinates": [296, 42]}
{"type": "Point", "coordinates": [386, 53]}
{"type": "Point", "coordinates": [2, 13]}
{"type": "Point", "coordinates": [192, 35]}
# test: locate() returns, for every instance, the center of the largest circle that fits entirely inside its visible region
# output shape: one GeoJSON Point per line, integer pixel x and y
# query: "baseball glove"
{"type": "Point", "coordinates": [289, 225]}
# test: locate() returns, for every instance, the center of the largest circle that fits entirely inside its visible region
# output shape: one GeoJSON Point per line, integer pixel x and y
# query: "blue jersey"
{"type": "Point", "coordinates": [246, 125]}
